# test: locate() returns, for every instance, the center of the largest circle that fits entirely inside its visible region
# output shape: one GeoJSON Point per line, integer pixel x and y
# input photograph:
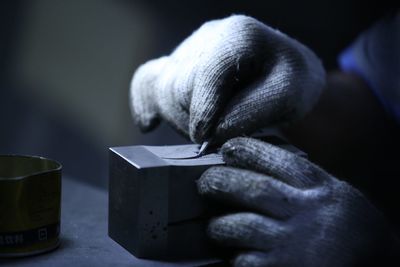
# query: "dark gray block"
{"type": "Point", "coordinates": [154, 208]}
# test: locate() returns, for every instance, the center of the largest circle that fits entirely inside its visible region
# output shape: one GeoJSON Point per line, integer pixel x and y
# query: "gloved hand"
{"type": "Point", "coordinates": [297, 214]}
{"type": "Point", "coordinates": [230, 77]}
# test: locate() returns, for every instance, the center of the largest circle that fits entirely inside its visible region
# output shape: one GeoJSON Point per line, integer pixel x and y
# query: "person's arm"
{"type": "Point", "coordinates": [354, 128]}
{"type": "Point", "coordinates": [358, 115]}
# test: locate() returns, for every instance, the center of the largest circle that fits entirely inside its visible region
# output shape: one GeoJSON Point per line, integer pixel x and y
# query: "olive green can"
{"type": "Point", "coordinates": [30, 205]}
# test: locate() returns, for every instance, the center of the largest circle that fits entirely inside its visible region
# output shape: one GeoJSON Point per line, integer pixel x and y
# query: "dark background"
{"type": "Point", "coordinates": [65, 66]}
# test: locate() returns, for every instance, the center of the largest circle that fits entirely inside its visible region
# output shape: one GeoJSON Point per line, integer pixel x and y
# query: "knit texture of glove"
{"type": "Point", "coordinates": [293, 212]}
{"type": "Point", "coordinates": [230, 77]}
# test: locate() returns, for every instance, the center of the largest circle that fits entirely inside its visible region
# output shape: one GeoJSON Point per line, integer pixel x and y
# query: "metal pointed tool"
{"type": "Point", "coordinates": [203, 148]}
{"type": "Point", "coordinates": [189, 154]}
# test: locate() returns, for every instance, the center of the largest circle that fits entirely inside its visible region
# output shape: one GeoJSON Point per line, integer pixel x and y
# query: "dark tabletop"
{"type": "Point", "coordinates": [84, 239]}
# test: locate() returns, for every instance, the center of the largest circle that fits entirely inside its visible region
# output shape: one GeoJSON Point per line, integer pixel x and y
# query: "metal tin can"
{"type": "Point", "coordinates": [30, 205]}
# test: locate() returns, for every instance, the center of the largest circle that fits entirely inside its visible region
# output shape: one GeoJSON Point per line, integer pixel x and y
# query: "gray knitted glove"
{"type": "Point", "coordinates": [296, 214]}
{"type": "Point", "coordinates": [230, 77]}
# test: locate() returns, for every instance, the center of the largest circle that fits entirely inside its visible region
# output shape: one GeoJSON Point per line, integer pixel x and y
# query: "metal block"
{"type": "Point", "coordinates": [154, 208]}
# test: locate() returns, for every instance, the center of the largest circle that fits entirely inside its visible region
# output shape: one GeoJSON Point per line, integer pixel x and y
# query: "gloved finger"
{"type": "Point", "coordinates": [251, 190]}
{"type": "Point", "coordinates": [234, 57]}
{"type": "Point", "coordinates": [262, 157]}
{"type": "Point", "coordinates": [153, 95]}
{"type": "Point", "coordinates": [247, 230]}
{"type": "Point", "coordinates": [254, 259]}
{"type": "Point", "coordinates": [143, 89]}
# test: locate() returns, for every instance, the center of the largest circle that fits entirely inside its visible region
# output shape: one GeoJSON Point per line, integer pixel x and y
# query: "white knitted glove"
{"type": "Point", "coordinates": [291, 212]}
{"type": "Point", "coordinates": [230, 77]}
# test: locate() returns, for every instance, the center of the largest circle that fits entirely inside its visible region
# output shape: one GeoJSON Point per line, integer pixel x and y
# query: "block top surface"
{"type": "Point", "coordinates": [158, 156]}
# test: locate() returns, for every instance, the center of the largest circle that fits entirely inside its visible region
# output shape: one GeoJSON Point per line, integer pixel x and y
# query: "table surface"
{"type": "Point", "coordinates": [84, 239]}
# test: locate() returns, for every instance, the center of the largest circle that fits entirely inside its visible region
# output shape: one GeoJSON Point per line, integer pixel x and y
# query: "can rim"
{"type": "Point", "coordinates": [55, 166]}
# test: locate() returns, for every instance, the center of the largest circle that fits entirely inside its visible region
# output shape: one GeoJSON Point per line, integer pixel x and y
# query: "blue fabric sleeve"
{"type": "Point", "coordinates": [375, 57]}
